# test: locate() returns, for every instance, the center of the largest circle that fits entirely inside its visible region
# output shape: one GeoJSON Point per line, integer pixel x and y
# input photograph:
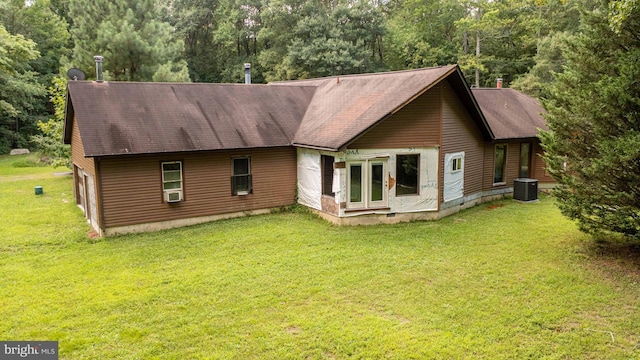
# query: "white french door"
{"type": "Point", "coordinates": [367, 184]}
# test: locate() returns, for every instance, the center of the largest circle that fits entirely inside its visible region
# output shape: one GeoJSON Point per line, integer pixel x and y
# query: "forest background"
{"type": "Point", "coordinates": [520, 41]}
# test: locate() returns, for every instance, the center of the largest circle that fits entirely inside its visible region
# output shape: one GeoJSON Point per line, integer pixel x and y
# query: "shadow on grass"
{"type": "Point", "coordinates": [616, 253]}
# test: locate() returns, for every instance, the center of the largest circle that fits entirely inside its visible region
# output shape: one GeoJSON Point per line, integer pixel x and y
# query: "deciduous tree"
{"type": "Point", "coordinates": [18, 87]}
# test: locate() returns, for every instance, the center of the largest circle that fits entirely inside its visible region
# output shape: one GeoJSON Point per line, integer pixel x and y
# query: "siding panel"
{"type": "Point", "coordinates": [132, 186]}
{"type": "Point", "coordinates": [77, 151]}
{"type": "Point", "coordinates": [512, 166]}
{"type": "Point", "coordinates": [460, 133]}
{"type": "Point", "coordinates": [415, 125]}
{"type": "Point", "coordinates": [538, 165]}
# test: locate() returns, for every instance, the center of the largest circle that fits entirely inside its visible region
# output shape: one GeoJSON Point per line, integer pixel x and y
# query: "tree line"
{"type": "Point", "coordinates": [209, 40]}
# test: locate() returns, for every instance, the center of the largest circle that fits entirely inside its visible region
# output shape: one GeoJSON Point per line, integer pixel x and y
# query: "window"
{"type": "Point", "coordinates": [456, 164]}
{"type": "Point", "coordinates": [172, 175]}
{"type": "Point", "coordinates": [407, 170]}
{"type": "Point", "coordinates": [241, 176]}
{"type": "Point", "coordinates": [525, 160]}
{"type": "Point", "coordinates": [172, 181]}
{"type": "Point", "coordinates": [500, 161]}
{"type": "Point", "coordinates": [327, 175]}
{"type": "Point", "coordinates": [355, 184]}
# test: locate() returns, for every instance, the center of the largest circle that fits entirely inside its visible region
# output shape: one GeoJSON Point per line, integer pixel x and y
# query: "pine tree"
{"type": "Point", "coordinates": [136, 44]}
{"type": "Point", "coordinates": [593, 146]}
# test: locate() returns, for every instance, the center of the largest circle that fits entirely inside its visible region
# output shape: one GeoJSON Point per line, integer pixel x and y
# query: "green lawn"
{"type": "Point", "coordinates": [505, 280]}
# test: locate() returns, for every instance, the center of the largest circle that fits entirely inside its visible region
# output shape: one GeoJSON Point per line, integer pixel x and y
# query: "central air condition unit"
{"type": "Point", "coordinates": [173, 196]}
{"type": "Point", "coordinates": [525, 189]}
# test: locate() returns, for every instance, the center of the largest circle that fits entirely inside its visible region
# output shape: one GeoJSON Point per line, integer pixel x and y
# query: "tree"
{"type": "Point", "coordinates": [593, 145]}
{"type": "Point", "coordinates": [136, 44]}
{"type": "Point", "coordinates": [18, 87]}
{"type": "Point", "coordinates": [50, 141]}
{"type": "Point", "coordinates": [341, 39]}
{"type": "Point", "coordinates": [36, 21]}
{"type": "Point", "coordinates": [548, 61]}
{"type": "Point", "coordinates": [423, 34]}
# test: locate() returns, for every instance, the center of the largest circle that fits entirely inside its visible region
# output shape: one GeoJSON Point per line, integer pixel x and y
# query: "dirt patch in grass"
{"type": "Point", "coordinates": [494, 206]}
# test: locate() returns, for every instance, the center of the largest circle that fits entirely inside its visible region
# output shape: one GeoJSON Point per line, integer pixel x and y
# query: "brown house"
{"type": "Point", "coordinates": [367, 148]}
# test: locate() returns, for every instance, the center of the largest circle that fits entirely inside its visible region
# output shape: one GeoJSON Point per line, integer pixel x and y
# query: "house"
{"type": "Point", "coordinates": [357, 149]}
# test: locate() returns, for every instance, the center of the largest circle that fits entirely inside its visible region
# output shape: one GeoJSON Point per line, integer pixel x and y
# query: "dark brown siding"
{"type": "Point", "coordinates": [539, 167]}
{"type": "Point", "coordinates": [415, 125]}
{"type": "Point", "coordinates": [460, 133]}
{"type": "Point", "coordinates": [132, 186]}
{"type": "Point", "coordinates": [77, 152]}
{"type": "Point", "coordinates": [512, 167]}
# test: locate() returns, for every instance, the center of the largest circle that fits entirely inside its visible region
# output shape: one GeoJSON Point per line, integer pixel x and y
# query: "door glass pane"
{"type": "Point", "coordinates": [525, 155]}
{"type": "Point", "coordinates": [501, 157]}
{"type": "Point", "coordinates": [355, 185]}
{"type": "Point", "coordinates": [377, 182]}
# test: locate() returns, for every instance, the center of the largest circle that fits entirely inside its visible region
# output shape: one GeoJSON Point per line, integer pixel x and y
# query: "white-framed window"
{"type": "Point", "coordinates": [172, 181]}
{"type": "Point", "coordinates": [456, 164]}
{"type": "Point", "coordinates": [241, 182]}
{"type": "Point", "coordinates": [407, 174]}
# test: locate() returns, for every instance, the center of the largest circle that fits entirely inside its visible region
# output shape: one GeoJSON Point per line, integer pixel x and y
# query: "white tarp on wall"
{"type": "Point", "coordinates": [426, 200]}
{"type": "Point", "coordinates": [309, 178]}
{"type": "Point", "coordinates": [453, 179]}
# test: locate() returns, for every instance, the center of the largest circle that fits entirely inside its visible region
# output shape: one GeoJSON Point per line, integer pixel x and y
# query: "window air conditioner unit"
{"type": "Point", "coordinates": [173, 196]}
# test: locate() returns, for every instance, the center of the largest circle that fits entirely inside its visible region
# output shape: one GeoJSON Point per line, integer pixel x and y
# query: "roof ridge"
{"type": "Point", "coordinates": [364, 74]}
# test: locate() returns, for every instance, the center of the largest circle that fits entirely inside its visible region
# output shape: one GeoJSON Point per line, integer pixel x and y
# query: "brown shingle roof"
{"type": "Point", "coordinates": [510, 114]}
{"type": "Point", "coordinates": [344, 107]}
{"type": "Point", "coordinates": [328, 113]}
{"type": "Point", "coordinates": [137, 118]}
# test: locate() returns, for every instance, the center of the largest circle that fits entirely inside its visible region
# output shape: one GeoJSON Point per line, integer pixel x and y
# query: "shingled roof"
{"type": "Point", "coordinates": [137, 118]}
{"type": "Point", "coordinates": [344, 107]}
{"type": "Point", "coordinates": [510, 114]}
{"type": "Point", "coordinates": [117, 118]}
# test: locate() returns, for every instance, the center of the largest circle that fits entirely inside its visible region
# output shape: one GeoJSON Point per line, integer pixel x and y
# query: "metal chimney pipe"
{"type": "Point", "coordinates": [98, 60]}
{"type": "Point", "coordinates": [499, 83]}
{"type": "Point", "coordinates": [247, 73]}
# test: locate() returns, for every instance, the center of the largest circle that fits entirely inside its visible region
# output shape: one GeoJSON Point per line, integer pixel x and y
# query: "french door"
{"type": "Point", "coordinates": [367, 184]}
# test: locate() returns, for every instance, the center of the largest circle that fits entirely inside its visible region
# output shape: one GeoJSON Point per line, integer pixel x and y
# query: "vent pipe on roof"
{"type": "Point", "coordinates": [98, 60]}
{"type": "Point", "coordinates": [247, 73]}
{"type": "Point", "coordinates": [499, 83]}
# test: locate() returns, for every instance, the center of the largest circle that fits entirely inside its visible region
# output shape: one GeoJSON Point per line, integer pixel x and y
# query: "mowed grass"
{"type": "Point", "coordinates": [504, 280]}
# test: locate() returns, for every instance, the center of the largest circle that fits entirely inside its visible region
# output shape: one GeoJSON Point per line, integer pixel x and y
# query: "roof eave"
{"type": "Point", "coordinates": [315, 147]}
{"type": "Point", "coordinates": [68, 118]}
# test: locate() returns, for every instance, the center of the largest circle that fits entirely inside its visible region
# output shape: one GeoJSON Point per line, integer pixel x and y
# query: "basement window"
{"type": "Point", "coordinates": [407, 170]}
{"type": "Point", "coordinates": [241, 182]}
